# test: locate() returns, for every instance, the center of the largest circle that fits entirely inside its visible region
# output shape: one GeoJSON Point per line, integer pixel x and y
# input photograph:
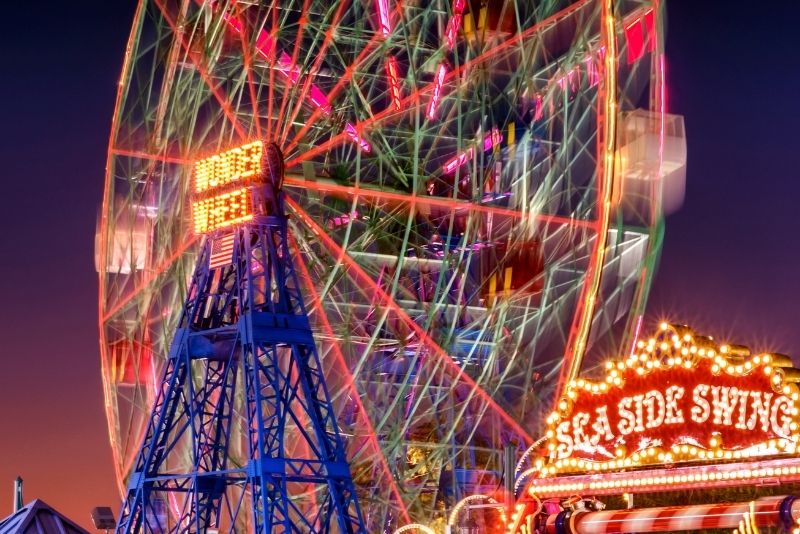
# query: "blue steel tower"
{"type": "Point", "coordinates": [243, 337]}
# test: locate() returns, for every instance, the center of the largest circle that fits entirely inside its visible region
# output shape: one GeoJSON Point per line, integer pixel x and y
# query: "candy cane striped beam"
{"type": "Point", "coordinates": [766, 512]}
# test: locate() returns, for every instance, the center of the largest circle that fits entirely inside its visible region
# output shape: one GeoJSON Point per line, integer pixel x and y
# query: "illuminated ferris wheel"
{"type": "Point", "coordinates": [475, 200]}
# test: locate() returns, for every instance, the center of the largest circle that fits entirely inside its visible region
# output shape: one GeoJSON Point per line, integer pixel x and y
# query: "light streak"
{"type": "Point", "coordinates": [342, 365]}
{"type": "Point", "coordinates": [350, 130]}
{"type": "Point", "coordinates": [416, 96]}
{"type": "Point", "coordinates": [265, 45]}
{"type": "Point", "coordinates": [437, 91]}
{"type": "Point", "coordinates": [490, 141]}
{"type": "Point", "coordinates": [385, 299]}
{"type": "Point", "coordinates": [411, 201]}
{"type": "Point", "coordinates": [607, 124]}
{"type": "Point", "coordinates": [454, 24]}
{"type": "Point", "coordinates": [383, 14]}
{"type": "Point", "coordinates": [394, 82]}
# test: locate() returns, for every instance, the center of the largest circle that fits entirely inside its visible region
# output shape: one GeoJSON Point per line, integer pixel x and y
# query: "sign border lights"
{"type": "Point", "coordinates": [221, 195]}
{"type": "Point", "coordinates": [692, 400]}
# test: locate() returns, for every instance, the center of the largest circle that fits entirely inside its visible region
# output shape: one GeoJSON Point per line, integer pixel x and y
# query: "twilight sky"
{"type": "Point", "coordinates": [729, 266]}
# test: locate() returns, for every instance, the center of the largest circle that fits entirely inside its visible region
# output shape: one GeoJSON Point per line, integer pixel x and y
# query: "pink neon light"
{"type": "Point", "coordinates": [350, 130]}
{"type": "Point", "coordinates": [490, 141]}
{"type": "Point", "coordinates": [458, 161]}
{"type": "Point", "coordinates": [437, 91]}
{"type": "Point", "coordinates": [538, 110]}
{"type": "Point", "coordinates": [343, 219]}
{"type": "Point", "coordinates": [394, 81]}
{"type": "Point", "coordinates": [454, 24]}
{"type": "Point", "coordinates": [383, 13]}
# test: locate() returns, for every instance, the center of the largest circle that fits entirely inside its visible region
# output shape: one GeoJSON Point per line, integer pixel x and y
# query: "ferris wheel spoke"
{"type": "Point", "coordinates": [150, 278]}
{"type": "Point", "coordinates": [344, 370]}
{"type": "Point", "coordinates": [450, 204]}
{"type": "Point", "coordinates": [267, 47]}
{"type": "Point", "coordinates": [247, 57]}
{"type": "Point", "coordinates": [345, 79]}
{"type": "Point", "coordinates": [421, 97]}
{"type": "Point", "coordinates": [293, 72]}
{"type": "Point", "coordinates": [319, 56]}
{"type": "Point", "coordinates": [454, 371]}
{"type": "Point", "coordinates": [162, 158]}
{"type": "Point", "coordinates": [215, 89]}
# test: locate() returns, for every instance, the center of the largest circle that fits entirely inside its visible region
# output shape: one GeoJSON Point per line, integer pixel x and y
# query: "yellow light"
{"type": "Point", "coordinates": [232, 165]}
{"type": "Point", "coordinates": [221, 194]}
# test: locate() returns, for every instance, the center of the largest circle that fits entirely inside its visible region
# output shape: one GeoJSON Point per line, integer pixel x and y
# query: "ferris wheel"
{"type": "Point", "coordinates": [475, 203]}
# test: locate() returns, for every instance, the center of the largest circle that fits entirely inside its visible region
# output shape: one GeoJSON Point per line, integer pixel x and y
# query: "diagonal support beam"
{"type": "Point", "coordinates": [385, 299]}
{"type": "Point", "coordinates": [342, 366]}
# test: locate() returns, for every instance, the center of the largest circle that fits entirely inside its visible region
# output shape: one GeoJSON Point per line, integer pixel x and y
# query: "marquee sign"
{"type": "Point", "coordinates": [679, 397]}
{"type": "Point", "coordinates": [222, 196]}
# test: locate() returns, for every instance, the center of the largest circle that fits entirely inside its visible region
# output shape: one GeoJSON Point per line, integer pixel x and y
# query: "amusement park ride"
{"type": "Point", "coordinates": [408, 230]}
{"type": "Point", "coordinates": [244, 313]}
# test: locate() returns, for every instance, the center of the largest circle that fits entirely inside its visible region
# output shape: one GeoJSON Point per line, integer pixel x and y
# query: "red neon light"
{"type": "Point", "coordinates": [437, 91]}
{"type": "Point", "coordinates": [394, 82]}
{"type": "Point", "coordinates": [440, 202]}
{"type": "Point", "coordinates": [415, 96]}
{"type": "Point", "coordinates": [383, 14]}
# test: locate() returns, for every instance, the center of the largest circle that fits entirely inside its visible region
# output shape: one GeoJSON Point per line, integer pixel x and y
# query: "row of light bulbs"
{"type": "Point", "coordinates": [222, 210]}
{"type": "Point", "coordinates": [221, 169]}
{"type": "Point", "coordinates": [643, 480]}
{"type": "Point", "coordinates": [675, 453]}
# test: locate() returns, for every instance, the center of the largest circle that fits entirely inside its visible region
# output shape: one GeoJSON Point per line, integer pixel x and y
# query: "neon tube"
{"type": "Point", "coordinates": [265, 45]}
{"type": "Point", "coordinates": [607, 126]}
{"type": "Point", "coordinates": [350, 130]}
{"type": "Point", "coordinates": [437, 91]}
{"type": "Point", "coordinates": [340, 362]}
{"type": "Point", "coordinates": [383, 14]}
{"type": "Point", "coordinates": [394, 82]}
{"type": "Point", "coordinates": [489, 142]}
{"type": "Point", "coordinates": [454, 24]}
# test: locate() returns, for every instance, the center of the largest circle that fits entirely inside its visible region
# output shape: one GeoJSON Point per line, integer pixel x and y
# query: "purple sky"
{"type": "Point", "coordinates": [729, 265]}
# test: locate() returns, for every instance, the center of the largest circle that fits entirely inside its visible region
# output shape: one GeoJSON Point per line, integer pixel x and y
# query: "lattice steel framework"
{"type": "Point", "coordinates": [244, 316]}
{"type": "Point", "coordinates": [461, 245]}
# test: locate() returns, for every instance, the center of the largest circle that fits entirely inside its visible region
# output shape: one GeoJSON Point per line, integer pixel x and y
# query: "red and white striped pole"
{"type": "Point", "coordinates": [765, 512]}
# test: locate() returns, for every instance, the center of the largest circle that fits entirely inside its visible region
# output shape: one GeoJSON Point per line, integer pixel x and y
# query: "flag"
{"type": "Point", "coordinates": [222, 251]}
